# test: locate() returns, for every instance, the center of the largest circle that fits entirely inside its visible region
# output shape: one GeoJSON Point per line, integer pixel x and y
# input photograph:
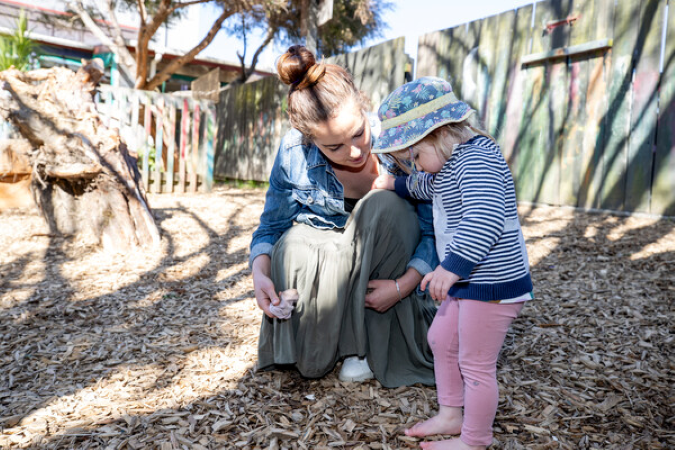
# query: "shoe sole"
{"type": "Point", "coordinates": [358, 379]}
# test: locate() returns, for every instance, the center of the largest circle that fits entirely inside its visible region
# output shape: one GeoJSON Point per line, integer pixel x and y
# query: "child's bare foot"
{"type": "Point", "coordinates": [447, 421]}
{"type": "Point", "coordinates": [450, 444]}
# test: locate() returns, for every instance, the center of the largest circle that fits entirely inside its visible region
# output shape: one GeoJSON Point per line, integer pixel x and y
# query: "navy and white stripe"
{"type": "Point", "coordinates": [478, 234]}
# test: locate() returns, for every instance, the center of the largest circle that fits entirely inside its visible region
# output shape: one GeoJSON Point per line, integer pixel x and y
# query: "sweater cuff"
{"type": "Point", "coordinates": [458, 265]}
{"type": "Point", "coordinates": [401, 187]}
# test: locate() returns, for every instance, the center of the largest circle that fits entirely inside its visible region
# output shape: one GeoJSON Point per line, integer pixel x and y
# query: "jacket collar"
{"type": "Point", "coordinates": [315, 158]}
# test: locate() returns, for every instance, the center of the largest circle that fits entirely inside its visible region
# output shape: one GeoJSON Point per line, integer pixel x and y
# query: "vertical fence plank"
{"type": "Point", "coordinates": [617, 120]}
{"type": "Point", "coordinates": [586, 92]}
{"type": "Point", "coordinates": [644, 106]}
{"type": "Point", "coordinates": [558, 100]}
{"type": "Point", "coordinates": [463, 65]}
{"type": "Point", "coordinates": [516, 107]}
{"type": "Point", "coordinates": [529, 163]}
{"type": "Point", "coordinates": [571, 151]}
{"type": "Point", "coordinates": [211, 142]}
{"type": "Point", "coordinates": [170, 116]}
{"type": "Point", "coordinates": [591, 136]}
{"type": "Point", "coordinates": [487, 46]}
{"type": "Point", "coordinates": [194, 154]}
{"type": "Point", "coordinates": [184, 149]}
{"type": "Point", "coordinates": [505, 37]}
{"type": "Point", "coordinates": [534, 151]}
{"type": "Point", "coordinates": [222, 155]}
{"type": "Point", "coordinates": [134, 130]}
{"type": "Point", "coordinates": [109, 107]}
{"type": "Point", "coordinates": [663, 188]}
{"type": "Point", "coordinates": [428, 48]}
{"type": "Point", "coordinates": [159, 145]}
{"type": "Point", "coordinates": [147, 140]}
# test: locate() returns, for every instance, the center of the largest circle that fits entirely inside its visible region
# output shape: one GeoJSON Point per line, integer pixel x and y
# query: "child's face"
{"type": "Point", "coordinates": [426, 157]}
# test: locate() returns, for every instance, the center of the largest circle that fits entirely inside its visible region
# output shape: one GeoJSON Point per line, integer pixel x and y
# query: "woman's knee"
{"type": "Point", "coordinates": [384, 210]}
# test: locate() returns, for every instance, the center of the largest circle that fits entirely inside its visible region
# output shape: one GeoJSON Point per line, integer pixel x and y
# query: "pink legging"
{"type": "Point", "coordinates": [466, 337]}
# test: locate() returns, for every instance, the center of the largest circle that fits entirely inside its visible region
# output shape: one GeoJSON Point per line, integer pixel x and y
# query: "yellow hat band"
{"type": "Point", "coordinates": [420, 111]}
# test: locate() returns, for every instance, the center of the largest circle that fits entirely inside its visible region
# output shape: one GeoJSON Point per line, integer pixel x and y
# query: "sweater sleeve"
{"type": "Point", "coordinates": [418, 185]}
{"type": "Point", "coordinates": [480, 181]}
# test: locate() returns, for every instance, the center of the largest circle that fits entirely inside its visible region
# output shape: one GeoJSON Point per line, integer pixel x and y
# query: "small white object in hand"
{"type": "Point", "coordinates": [288, 300]}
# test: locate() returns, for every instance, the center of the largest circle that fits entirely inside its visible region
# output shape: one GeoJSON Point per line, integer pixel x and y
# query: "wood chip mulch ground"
{"type": "Point", "coordinates": [157, 350]}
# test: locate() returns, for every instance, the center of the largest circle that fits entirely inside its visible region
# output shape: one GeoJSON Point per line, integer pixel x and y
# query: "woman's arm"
{"type": "Point", "coordinates": [265, 293]}
{"type": "Point", "coordinates": [278, 214]}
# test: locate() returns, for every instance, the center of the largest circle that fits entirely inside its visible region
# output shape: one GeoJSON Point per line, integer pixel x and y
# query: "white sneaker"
{"type": "Point", "coordinates": [355, 369]}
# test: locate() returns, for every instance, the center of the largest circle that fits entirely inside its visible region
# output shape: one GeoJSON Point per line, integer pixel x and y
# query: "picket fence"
{"type": "Point", "coordinates": [174, 137]}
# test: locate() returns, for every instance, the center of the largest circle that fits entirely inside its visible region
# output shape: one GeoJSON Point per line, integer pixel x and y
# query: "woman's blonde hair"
{"type": "Point", "coordinates": [317, 90]}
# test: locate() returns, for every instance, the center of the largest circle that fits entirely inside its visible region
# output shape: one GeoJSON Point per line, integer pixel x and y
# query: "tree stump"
{"type": "Point", "coordinates": [84, 181]}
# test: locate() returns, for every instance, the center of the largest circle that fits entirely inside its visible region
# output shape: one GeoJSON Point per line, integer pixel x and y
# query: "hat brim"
{"type": "Point", "coordinates": [409, 133]}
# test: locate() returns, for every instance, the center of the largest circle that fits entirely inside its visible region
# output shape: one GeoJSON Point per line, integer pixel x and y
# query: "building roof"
{"type": "Point", "coordinates": [45, 29]}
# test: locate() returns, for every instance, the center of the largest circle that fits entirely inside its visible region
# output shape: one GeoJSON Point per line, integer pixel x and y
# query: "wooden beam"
{"type": "Point", "coordinates": [564, 52]}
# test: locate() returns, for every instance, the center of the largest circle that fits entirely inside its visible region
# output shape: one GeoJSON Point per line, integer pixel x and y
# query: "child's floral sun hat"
{"type": "Point", "coordinates": [416, 109]}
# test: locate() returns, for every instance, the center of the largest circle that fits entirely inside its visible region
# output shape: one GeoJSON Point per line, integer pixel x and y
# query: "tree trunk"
{"type": "Point", "coordinates": [84, 181]}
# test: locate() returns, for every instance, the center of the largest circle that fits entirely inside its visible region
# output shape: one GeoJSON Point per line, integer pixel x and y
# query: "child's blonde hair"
{"type": "Point", "coordinates": [458, 132]}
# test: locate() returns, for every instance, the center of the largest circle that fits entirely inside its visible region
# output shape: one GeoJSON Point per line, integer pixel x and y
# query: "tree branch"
{"type": "Point", "coordinates": [118, 48]}
{"type": "Point", "coordinates": [147, 30]}
{"type": "Point", "coordinates": [118, 37]}
{"type": "Point", "coordinates": [186, 4]}
{"type": "Point", "coordinates": [177, 63]}
{"type": "Point", "coordinates": [142, 11]}
{"type": "Point", "coordinates": [246, 73]}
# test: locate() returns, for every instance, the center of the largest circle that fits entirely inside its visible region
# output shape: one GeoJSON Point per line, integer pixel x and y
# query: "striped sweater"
{"type": "Point", "coordinates": [478, 234]}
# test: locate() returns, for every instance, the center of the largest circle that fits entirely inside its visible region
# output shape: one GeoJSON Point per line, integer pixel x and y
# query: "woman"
{"type": "Point", "coordinates": [356, 256]}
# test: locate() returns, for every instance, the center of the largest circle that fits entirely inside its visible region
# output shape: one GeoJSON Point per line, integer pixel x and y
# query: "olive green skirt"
{"type": "Point", "coordinates": [331, 269]}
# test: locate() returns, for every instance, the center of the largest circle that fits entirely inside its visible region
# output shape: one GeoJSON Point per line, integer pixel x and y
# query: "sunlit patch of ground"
{"type": "Point", "coordinates": [157, 348]}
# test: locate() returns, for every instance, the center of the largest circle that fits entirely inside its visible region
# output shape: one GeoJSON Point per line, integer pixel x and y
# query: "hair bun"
{"type": "Point", "coordinates": [294, 65]}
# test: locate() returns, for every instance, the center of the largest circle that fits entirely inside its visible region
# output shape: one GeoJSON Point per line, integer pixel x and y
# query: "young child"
{"type": "Point", "coordinates": [484, 275]}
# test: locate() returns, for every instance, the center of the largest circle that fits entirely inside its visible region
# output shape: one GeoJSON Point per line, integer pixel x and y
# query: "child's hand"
{"type": "Point", "coordinates": [384, 182]}
{"type": "Point", "coordinates": [440, 281]}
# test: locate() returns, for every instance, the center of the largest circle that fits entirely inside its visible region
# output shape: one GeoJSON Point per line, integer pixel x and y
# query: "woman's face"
{"type": "Point", "coordinates": [345, 139]}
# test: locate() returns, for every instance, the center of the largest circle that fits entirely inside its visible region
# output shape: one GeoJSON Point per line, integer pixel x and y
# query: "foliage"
{"type": "Point", "coordinates": [101, 19]}
{"type": "Point", "coordinates": [281, 20]}
{"type": "Point", "coordinates": [152, 156]}
{"type": "Point", "coordinates": [17, 49]}
{"type": "Point", "coordinates": [353, 22]}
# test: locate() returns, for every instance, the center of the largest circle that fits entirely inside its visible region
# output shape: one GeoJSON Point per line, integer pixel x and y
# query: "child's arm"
{"type": "Point", "coordinates": [418, 185]}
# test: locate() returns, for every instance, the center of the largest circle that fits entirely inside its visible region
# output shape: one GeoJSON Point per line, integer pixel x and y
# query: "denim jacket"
{"type": "Point", "coordinates": [304, 188]}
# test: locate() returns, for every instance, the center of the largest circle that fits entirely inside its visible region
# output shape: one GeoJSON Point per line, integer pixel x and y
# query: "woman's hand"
{"type": "Point", "coordinates": [381, 295]}
{"type": "Point", "coordinates": [265, 293]}
{"type": "Point", "coordinates": [440, 281]}
{"type": "Point", "coordinates": [384, 182]}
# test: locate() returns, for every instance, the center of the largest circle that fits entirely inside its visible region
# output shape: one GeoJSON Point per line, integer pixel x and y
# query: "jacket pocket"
{"type": "Point", "coordinates": [311, 198]}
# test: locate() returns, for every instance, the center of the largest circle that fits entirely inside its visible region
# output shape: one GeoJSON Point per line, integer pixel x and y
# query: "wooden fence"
{"type": "Point", "coordinates": [253, 116]}
{"type": "Point", "coordinates": [174, 137]}
{"type": "Point", "coordinates": [580, 94]}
